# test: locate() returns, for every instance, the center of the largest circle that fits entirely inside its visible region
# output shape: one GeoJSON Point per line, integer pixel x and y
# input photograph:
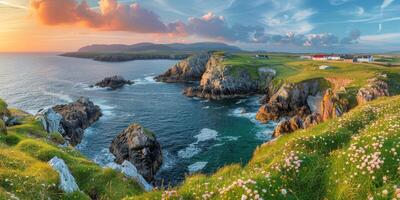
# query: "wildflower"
{"type": "Point", "coordinates": [385, 192]}
{"type": "Point", "coordinates": [283, 191]}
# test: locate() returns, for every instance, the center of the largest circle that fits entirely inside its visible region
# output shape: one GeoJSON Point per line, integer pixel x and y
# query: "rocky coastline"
{"type": "Point", "coordinates": [70, 120]}
{"type": "Point", "coordinates": [217, 80]}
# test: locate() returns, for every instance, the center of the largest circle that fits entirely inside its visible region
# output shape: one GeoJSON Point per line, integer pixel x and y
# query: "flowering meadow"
{"type": "Point", "coordinates": [356, 156]}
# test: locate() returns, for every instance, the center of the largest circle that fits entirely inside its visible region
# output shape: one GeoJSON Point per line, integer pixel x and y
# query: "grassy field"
{"type": "Point", "coordinates": [291, 69]}
{"type": "Point", "coordinates": [353, 157]}
{"type": "Point", "coordinates": [24, 172]}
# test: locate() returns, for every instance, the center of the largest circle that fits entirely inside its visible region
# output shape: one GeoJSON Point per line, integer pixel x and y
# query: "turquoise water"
{"type": "Point", "coordinates": [195, 134]}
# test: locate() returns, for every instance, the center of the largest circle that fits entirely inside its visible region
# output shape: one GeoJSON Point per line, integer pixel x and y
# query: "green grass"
{"type": "Point", "coordinates": [290, 69]}
{"type": "Point", "coordinates": [327, 156]}
{"type": "Point", "coordinates": [24, 172]}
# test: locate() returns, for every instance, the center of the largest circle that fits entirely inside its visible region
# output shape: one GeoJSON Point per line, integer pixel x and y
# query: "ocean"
{"type": "Point", "coordinates": [195, 134]}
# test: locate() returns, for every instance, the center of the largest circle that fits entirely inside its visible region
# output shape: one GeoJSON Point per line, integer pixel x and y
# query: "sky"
{"type": "Point", "coordinates": [271, 25]}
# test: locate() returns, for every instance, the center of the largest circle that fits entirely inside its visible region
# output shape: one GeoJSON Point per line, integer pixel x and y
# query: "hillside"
{"type": "Point", "coordinates": [24, 173]}
{"type": "Point", "coordinates": [353, 157]}
{"type": "Point", "coordinates": [147, 51]}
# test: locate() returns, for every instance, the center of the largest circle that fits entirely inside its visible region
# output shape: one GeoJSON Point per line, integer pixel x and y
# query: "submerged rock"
{"type": "Point", "coordinates": [67, 181]}
{"type": "Point", "coordinates": [375, 88]}
{"type": "Point", "coordinates": [114, 82]}
{"type": "Point", "coordinates": [140, 147]}
{"type": "Point", "coordinates": [190, 69]}
{"type": "Point", "coordinates": [76, 117]}
{"type": "Point", "coordinates": [130, 171]}
{"type": "Point", "coordinates": [51, 121]}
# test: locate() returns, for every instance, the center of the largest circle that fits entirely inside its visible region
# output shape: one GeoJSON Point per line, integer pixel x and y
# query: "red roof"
{"type": "Point", "coordinates": [320, 56]}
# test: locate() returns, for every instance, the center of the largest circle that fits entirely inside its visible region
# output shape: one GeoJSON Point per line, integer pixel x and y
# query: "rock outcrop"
{"type": "Point", "coordinates": [312, 120]}
{"type": "Point", "coordinates": [190, 69]}
{"type": "Point", "coordinates": [140, 147]}
{"type": "Point", "coordinates": [221, 81]}
{"type": "Point", "coordinates": [113, 82]}
{"type": "Point", "coordinates": [67, 181]}
{"type": "Point", "coordinates": [290, 100]}
{"type": "Point", "coordinates": [375, 88]}
{"type": "Point", "coordinates": [288, 126]}
{"type": "Point", "coordinates": [332, 106]}
{"type": "Point", "coordinates": [130, 171]}
{"type": "Point", "coordinates": [51, 121]}
{"type": "Point", "coordinates": [76, 117]}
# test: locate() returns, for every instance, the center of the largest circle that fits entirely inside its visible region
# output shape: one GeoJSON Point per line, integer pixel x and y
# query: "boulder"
{"type": "Point", "coordinates": [190, 69]}
{"type": "Point", "coordinates": [130, 171]}
{"type": "Point", "coordinates": [375, 88]}
{"type": "Point", "coordinates": [113, 82]}
{"type": "Point", "coordinates": [76, 117]}
{"type": "Point", "coordinates": [140, 147]}
{"type": "Point", "coordinates": [50, 120]}
{"type": "Point", "coordinates": [67, 181]}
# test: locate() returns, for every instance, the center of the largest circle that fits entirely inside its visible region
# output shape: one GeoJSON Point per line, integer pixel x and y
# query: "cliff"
{"type": "Point", "coordinates": [221, 80]}
{"type": "Point", "coordinates": [190, 69]}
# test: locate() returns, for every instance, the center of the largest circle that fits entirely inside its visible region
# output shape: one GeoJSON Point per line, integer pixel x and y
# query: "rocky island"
{"type": "Point", "coordinates": [113, 82]}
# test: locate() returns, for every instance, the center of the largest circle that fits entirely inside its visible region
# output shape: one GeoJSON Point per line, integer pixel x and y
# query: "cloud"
{"type": "Point", "coordinates": [352, 38]}
{"type": "Point", "coordinates": [338, 2]}
{"type": "Point", "coordinates": [12, 5]}
{"type": "Point", "coordinates": [386, 3]}
{"type": "Point", "coordinates": [113, 16]}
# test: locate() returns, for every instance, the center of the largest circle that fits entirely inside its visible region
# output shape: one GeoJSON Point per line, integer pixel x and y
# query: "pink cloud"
{"type": "Point", "coordinates": [113, 16]}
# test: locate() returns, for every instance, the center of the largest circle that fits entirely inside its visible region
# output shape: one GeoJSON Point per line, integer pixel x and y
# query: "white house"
{"type": "Point", "coordinates": [368, 59]}
{"type": "Point", "coordinates": [334, 57]}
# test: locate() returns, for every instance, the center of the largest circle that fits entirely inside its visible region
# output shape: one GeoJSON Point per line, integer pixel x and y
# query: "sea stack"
{"type": "Point", "coordinates": [76, 117]}
{"type": "Point", "coordinates": [140, 147]}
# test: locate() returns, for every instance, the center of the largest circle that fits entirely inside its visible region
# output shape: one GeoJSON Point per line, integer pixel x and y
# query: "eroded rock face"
{"type": "Point", "coordinates": [76, 117]}
{"type": "Point", "coordinates": [114, 82]}
{"type": "Point", "coordinates": [332, 106]}
{"type": "Point", "coordinates": [288, 126]}
{"type": "Point", "coordinates": [190, 69]}
{"type": "Point", "coordinates": [140, 147]}
{"type": "Point", "coordinates": [290, 100]}
{"type": "Point", "coordinates": [51, 121]}
{"type": "Point", "coordinates": [312, 120]}
{"type": "Point", "coordinates": [375, 88]}
{"type": "Point", "coordinates": [219, 81]}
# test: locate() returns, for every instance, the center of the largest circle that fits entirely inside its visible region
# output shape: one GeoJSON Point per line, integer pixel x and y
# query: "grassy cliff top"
{"type": "Point", "coordinates": [24, 172]}
{"type": "Point", "coordinates": [356, 156]}
{"type": "Point", "coordinates": [291, 69]}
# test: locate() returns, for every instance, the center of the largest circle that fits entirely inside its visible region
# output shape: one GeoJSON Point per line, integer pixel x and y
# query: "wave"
{"type": "Point", "coordinates": [63, 97]}
{"type": "Point", "coordinates": [107, 110]}
{"type": "Point", "coordinates": [193, 149]}
{"type": "Point", "coordinates": [206, 107]}
{"type": "Point", "coordinates": [145, 81]}
{"type": "Point", "coordinates": [195, 167]}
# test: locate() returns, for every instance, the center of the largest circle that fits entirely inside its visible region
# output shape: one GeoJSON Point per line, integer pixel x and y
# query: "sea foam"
{"type": "Point", "coordinates": [193, 149]}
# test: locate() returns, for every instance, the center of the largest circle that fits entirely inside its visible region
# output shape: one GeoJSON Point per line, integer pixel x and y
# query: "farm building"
{"type": "Point", "coordinates": [367, 58]}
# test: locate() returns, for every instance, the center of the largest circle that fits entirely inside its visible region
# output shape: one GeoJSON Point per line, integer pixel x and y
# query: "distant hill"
{"type": "Point", "coordinates": [151, 47]}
